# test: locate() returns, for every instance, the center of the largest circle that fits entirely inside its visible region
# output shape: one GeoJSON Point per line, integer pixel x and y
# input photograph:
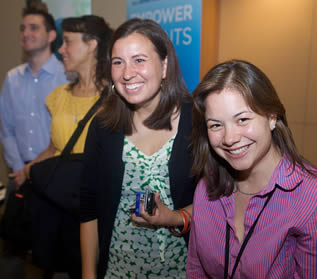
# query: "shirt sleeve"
{"type": "Point", "coordinates": [306, 250]}
{"type": "Point", "coordinates": [194, 269]}
{"type": "Point", "coordinates": [7, 129]}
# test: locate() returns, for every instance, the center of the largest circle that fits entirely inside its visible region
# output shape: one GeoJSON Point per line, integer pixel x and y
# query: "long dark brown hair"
{"type": "Point", "coordinates": [261, 97]}
{"type": "Point", "coordinates": [116, 113]}
{"type": "Point", "coordinates": [92, 28]}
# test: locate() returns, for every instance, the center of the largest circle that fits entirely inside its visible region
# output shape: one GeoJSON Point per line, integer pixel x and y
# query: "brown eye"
{"type": "Point", "coordinates": [243, 121]}
{"type": "Point", "coordinates": [214, 127]}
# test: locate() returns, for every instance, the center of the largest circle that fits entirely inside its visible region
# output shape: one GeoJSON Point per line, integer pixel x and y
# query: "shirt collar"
{"type": "Point", "coordinates": [49, 66]}
{"type": "Point", "coordinates": [285, 176]}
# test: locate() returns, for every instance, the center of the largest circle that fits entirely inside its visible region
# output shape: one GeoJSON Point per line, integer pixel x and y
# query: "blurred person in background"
{"type": "Point", "coordinates": [24, 119]}
{"type": "Point", "coordinates": [85, 44]}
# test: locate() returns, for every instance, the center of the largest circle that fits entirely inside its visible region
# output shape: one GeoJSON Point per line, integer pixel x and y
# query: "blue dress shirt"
{"type": "Point", "coordinates": [24, 118]}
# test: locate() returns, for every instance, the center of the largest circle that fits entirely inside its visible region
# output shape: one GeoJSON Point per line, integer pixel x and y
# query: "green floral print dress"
{"type": "Point", "coordinates": [139, 252]}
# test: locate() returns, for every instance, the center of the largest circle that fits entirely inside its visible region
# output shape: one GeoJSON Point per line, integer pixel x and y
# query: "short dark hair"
{"type": "Point", "coordinates": [48, 19]}
{"type": "Point", "coordinates": [262, 98]}
{"type": "Point", "coordinates": [116, 113]}
{"type": "Point", "coordinates": [96, 28]}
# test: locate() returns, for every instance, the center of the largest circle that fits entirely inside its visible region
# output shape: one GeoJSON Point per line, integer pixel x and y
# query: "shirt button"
{"type": "Point", "coordinates": [36, 80]}
{"type": "Point", "coordinates": [31, 131]}
{"type": "Point", "coordinates": [32, 113]}
{"type": "Point", "coordinates": [30, 148]}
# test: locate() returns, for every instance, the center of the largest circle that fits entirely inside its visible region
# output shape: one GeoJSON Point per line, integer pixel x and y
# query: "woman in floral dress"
{"type": "Point", "coordinates": [139, 141]}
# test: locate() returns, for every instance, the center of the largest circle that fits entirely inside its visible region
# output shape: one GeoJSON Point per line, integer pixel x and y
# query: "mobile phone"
{"type": "Point", "coordinates": [147, 198]}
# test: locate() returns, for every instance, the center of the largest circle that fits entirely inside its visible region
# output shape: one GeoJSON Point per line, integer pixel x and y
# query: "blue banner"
{"type": "Point", "coordinates": [181, 19]}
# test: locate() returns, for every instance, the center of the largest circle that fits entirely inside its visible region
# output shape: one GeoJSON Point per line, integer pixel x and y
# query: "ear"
{"type": "Point", "coordinates": [92, 44]}
{"type": "Point", "coordinates": [164, 63]}
{"type": "Point", "coordinates": [272, 121]}
{"type": "Point", "coordinates": [52, 36]}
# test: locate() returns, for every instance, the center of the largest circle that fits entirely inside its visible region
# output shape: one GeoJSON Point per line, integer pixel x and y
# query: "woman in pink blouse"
{"type": "Point", "coordinates": [255, 208]}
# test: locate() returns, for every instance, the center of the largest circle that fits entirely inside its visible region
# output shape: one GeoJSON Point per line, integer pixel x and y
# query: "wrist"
{"type": "Point", "coordinates": [186, 222]}
{"type": "Point", "coordinates": [27, 168]}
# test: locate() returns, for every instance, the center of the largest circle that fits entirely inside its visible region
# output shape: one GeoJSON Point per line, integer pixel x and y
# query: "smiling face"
{"type": "Point", "coordinates": [237, 134]}
{"type": "Point", "coordinates": [75, 51]}
{"type": "Point", "coordinates": [33, 35]}
{"type": "Point", "coordinates": [137, 70]}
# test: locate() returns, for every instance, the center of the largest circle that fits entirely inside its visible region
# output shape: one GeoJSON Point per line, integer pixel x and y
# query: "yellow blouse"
{"type": "Point", "coordinates": [66, 110]}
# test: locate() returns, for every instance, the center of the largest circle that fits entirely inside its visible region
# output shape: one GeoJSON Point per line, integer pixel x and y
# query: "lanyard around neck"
{"type": "Point", "coordinates": [245, 242]}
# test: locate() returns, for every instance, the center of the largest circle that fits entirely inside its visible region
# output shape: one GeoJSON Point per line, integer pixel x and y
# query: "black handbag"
{"type": "Point", "coordinates": [16, 222]}
{"type": "Point", "coordinates": [57, 179]}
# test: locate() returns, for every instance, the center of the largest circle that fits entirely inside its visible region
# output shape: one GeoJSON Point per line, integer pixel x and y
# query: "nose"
{"type": "Point", "coordinates": [61, 49]}
{"type": "Point", "coordinates": [25, 32]}
{"type": "Point", "coordinates": [231, 135]}
{"type": "Point", "coordinates": [128, 72]}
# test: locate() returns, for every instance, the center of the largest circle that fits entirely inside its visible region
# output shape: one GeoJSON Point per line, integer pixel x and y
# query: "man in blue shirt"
{"type": "Point", "coordinates": [25, 121]}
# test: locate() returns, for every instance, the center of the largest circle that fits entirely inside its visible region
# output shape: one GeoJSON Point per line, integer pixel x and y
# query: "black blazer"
{"type": "Point", "coordinates": [103, 174]}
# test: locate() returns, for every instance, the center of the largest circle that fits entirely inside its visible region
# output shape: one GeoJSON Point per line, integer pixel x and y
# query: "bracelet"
{"type": "Point", "coordinates": [189, 219]}
{"type": "Point", "coordinates": [185, 214]}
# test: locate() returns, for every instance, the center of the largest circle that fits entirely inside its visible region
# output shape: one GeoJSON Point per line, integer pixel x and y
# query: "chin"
{"type": "Point", "coordinates": [239, 165]}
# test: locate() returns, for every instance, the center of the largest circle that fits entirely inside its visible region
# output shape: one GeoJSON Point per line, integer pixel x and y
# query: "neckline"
{"type": "Point", "coordinates": [156, 152]}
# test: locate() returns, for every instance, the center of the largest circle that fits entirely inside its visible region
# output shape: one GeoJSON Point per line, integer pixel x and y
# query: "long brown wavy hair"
{"type": "Point", "coordinates": [261, 97]}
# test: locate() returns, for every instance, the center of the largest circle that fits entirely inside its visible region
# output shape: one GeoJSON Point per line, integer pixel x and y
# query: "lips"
{"type": "Point", "coordinates": [27, 42]}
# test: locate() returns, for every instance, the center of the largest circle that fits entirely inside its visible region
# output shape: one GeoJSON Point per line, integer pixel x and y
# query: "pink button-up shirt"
{"type": "Point", "coordinates": [283, 244]}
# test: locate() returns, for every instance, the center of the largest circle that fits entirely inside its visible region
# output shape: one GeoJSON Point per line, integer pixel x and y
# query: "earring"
{"type": "Point", "coordinates": [162, 84]}
{"type": "Point", "coordinates": [273, 126]}
{"type": "Point", "coordinates": [113, 89]}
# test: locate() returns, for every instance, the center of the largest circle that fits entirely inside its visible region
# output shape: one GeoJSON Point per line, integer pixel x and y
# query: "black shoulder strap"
{"type": "Point", "coordinates": [80, 127]}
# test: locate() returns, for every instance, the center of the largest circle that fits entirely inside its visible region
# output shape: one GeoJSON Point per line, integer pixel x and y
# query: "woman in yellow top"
{"type": "Point", "coordinates": [55, 232]}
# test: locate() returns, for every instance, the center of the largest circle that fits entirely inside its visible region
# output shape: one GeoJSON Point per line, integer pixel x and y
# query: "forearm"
{"type": "Point", "coordinates": [8, 136]}
{"type": "Point", "coordinates": [89, 249]}
{"type": "Point", "coordinates": [11, 153]}
{"type": "Point", "coordinates": [47, 153]}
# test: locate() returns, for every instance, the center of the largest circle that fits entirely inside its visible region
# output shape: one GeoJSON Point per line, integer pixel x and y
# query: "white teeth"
{"type": "Point", "coordinates": [133, 86]}
{"type": "Point", "coordinates": [238, 151]}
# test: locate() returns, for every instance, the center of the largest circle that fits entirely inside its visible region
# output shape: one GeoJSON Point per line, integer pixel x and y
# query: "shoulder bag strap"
{"type": "Point", "coordinates": [80, 127]}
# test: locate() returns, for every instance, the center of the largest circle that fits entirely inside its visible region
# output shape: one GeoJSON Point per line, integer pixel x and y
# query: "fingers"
{"type": "Point", "coordinates": [157, 200]}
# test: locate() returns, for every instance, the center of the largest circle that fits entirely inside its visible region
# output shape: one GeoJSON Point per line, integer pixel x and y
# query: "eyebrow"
{"type": "Point", "coordinates": [140, 54]}
{"type": "Point", "coordinates": [133, 56]}
{"type": "Point", "coordinates": [235, 116]}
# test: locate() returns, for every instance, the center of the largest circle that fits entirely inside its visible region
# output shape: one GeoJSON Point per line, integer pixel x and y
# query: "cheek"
{"type": "Point", "coordinates": [257, 131]}
{"type": "Point", "coordinates": [214, 139]}
{"type": "Point", "coordinates": [115, 74]}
